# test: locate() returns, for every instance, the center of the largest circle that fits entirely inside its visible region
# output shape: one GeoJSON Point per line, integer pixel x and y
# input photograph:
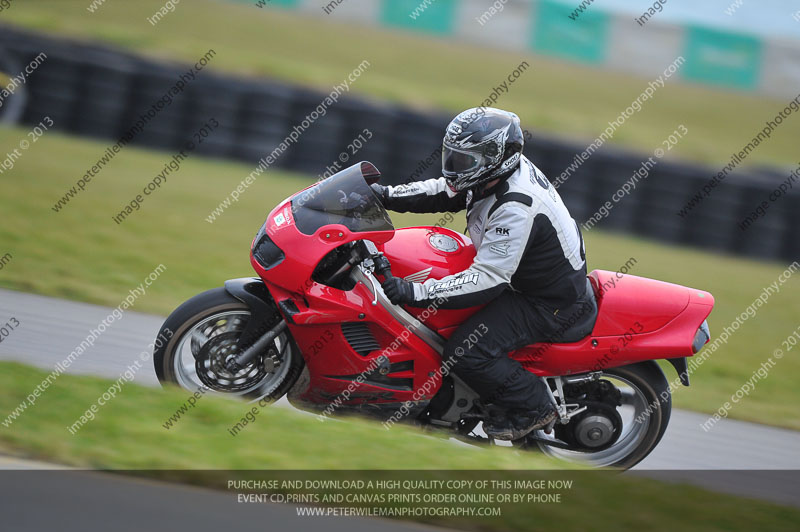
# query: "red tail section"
{"type": "Point", "coordinates": [638, 319]}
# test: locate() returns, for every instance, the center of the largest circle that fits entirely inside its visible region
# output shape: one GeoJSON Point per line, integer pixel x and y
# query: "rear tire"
{"type": "Point", "coordinates": [224, 316]}
{"type": "Point", "coordinates": [650, 399]}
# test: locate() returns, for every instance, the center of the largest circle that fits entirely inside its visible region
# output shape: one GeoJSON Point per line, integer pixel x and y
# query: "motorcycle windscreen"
{"type": "Point", "coordinates": [344, 198]}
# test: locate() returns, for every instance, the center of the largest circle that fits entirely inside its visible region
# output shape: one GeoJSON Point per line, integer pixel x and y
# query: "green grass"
{"type": "Point", "coordinates": [81, 254]}
{"type": "Point", "coordinates": [127, 434]}
{"type": "Point", "coordinates": [552, 97]}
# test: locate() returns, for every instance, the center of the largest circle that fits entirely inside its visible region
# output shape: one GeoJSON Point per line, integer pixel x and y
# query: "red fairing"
{"type": "Point", "coordinates": [333, 365]}
{"type": "Point", "coordinates": [322, 310]}
{"type": "Point", "coordinates": [303, 252]}
{"type": "Point", "coordinates": [631, 298]}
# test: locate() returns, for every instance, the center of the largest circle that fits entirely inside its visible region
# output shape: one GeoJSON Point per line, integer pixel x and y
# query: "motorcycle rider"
{"type": "Point", "coordinates": [530, 267]}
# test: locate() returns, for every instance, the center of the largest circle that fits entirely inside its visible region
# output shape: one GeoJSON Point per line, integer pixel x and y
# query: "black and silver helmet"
{"type": "Point", "coordinates": [481, 144]}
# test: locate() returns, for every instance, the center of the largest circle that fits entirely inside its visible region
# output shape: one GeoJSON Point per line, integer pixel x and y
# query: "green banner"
{"type": "Point", "coordinates": [432, 16]}
{"type": "Point", "coordinates": [722, 58]}
{"type": "Point", "coordinates": [582, 38]}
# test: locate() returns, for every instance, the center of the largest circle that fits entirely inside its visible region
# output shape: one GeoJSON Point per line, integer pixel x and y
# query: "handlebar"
{"type": "Point", "coordinates": [383, 266]}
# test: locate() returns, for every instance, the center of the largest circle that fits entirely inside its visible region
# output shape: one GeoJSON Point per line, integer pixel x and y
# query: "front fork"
{"type": "Point", "coordinates": [253, 292]}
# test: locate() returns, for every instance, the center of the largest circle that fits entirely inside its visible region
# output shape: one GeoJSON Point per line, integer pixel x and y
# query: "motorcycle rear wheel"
{"type": "Point", "coordinates": [646, 408]}
{"type": "Point", "coordinates": [203, 331]}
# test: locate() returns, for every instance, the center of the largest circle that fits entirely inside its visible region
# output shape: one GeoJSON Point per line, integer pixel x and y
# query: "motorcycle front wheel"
{"type": "Point", "coordinates": [203, 332]}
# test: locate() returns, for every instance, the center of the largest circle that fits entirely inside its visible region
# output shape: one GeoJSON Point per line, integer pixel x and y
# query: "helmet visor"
{"type": "Point", "coordinates": [458, 163]}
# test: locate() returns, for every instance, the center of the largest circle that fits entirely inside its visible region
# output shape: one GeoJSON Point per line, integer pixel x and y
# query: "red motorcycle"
{"type": "Point", "coordinates": [316, 326]}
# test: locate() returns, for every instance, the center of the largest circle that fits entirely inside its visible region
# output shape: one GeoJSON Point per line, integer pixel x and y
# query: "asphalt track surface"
{"type": "Point", "coordinates": [49, 329]}
{"type": "Point", "coordinates": [35, 499]}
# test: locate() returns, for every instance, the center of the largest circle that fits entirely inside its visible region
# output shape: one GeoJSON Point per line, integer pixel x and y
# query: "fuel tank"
{"type": "Point", "coordinates": [421, 253]}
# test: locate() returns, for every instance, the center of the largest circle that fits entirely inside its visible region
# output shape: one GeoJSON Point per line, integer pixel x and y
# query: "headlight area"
{"type": "Point", "coordinates": [265, 251]}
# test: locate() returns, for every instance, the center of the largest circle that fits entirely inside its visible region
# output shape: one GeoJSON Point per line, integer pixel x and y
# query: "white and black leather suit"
{"type": "Point", "coordinates": [530, 271]}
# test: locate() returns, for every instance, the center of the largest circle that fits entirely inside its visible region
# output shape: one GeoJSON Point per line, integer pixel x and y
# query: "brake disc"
{"type": "Point", "coordinates": [210, 365]}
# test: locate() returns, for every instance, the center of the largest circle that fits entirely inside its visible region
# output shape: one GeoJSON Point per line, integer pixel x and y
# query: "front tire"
{"type": "Point", "coordinates": [205, 330]}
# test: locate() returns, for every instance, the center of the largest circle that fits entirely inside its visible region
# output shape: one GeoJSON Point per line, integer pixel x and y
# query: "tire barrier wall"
{"type": "Point", "coordinates": [99, 92]}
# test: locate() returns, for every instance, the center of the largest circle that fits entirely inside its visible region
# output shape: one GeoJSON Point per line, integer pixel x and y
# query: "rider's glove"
{"type": "Point", "coordinates": [399, 291]}
{"type": "Point", "coordinates": [381, 191]}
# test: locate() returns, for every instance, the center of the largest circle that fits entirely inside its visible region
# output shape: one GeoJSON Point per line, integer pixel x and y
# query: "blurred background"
{"type": "Point", "coordinates": [100, 98]}
{"type": "Point", "coordinates": [720, 73]}
{"type": "Point", "coordinates": [600, 88]}
{"type": "Point", "coordinates": [707, 80]}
